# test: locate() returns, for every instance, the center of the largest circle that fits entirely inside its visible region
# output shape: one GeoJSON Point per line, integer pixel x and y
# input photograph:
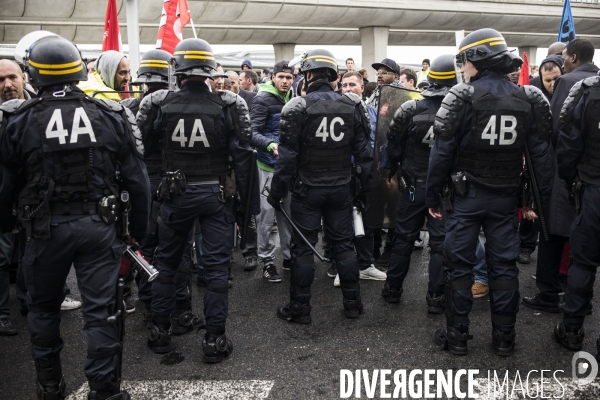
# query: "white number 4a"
{"type": "Point", "coordinates": [508, 123]}
{"type": "Point", "coordinates": [61, 133]}
{"type": "Point", "coordinates": [198, 134]}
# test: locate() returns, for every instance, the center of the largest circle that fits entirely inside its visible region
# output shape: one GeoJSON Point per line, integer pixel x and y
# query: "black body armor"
{"type": "Point", "coordinates": [325, 154]}
{"type": "Point", "coordinates": [191, 137]}
{"type": "Point", "coordinates": [419, 142]}
{"type": "Point", "coordinates": [589, 167]}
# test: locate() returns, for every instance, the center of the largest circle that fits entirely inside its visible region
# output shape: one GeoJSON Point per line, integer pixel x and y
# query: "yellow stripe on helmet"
{"type": "Point", "coordinates": [183, 52]}
{"type": "Point", "coordinates": [497, 40]}
{"type": "Point", "coordinates": [61, 72]}
{"type": "Point", "coordinates": [435, 76]}
{"type": "Point", "coordinates": [442, 73]}
{"type": "Point", "coordinates": [200, 57]}
{"type": "Point", "coordinates": [155, 62]}
{"type": "Point", "coordinates": [155, 65]}
{"type": "Point", "coordinates": [55, 66]}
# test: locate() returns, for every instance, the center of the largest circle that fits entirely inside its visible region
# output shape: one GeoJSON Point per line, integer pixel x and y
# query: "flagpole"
{"type": "Point", "coordinates": [133, 36]}
{"type": "Point", "coordinates": [193, 27]}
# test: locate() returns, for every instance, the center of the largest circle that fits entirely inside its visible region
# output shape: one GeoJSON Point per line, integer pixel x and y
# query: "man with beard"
{"type": "Point", "coordinates": [112, 74]}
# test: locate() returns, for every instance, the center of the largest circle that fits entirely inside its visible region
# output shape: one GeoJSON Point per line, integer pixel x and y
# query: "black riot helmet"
{"type": "Point", "coordinates": [154, 67]}
{"type": "Point", "coordinates": [486, 49]}
{"type": "Point", "coordinates": [442, 71]}
{"type": "Point", "coordinates": [54, 60]}
{"type": "Point", "coordinates": [319, 59]}
{"type": "Point", "coordinates": [194, 57]}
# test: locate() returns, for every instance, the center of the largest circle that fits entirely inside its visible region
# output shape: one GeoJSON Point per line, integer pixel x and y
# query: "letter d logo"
{"type": "Point", "coordinates": [583, 363]}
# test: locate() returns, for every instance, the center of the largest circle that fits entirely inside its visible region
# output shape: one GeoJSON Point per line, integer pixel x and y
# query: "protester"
{"type": "Point", "coordinates": [112, 74]}
{"type": "Point", "coordinates": [424, 72]}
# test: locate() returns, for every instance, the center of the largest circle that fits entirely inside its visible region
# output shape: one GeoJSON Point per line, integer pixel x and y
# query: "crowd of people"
{"type": "Point", "coordinates": [90, 168]}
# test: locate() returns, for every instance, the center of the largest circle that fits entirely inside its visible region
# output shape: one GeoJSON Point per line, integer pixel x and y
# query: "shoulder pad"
{"type": "Point", "coordinates": [447, 117]}
{"type": "Point", "coordinates": [591, 81]}
{"type": "Point", "coordinates": [292, 116]}
{"type": "Point", "coordinates": [402, 117]}
{"type": "Point", "coordinates": [541, 108]}
{"type": "Point", "coordinates": [240, 114]}
{"type": "Point", "coordinates": [108, 104]}
{"type": "Point", "coordinates": [130, 102]}
{"type": "Point", "coordinates": [134, 134]}
{"type": "Point", "coordinates": [353, 99]}
{"type": "Point", "coordinates": [570, 102]}
{"type": "Point", "coordinates": [143, 117]}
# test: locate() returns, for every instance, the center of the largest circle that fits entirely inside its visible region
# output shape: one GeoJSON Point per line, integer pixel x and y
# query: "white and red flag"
{"type": "Point", "coordinates": [175, 15]}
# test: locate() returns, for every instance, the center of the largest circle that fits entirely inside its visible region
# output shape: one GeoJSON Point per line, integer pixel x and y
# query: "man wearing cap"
{"type": "Point", "coordinates": [112, 74]}
{"type": "Point", "coordinates": [388, 73]}
{"type": "Point", "coordinates": [424, 72]}
{"type": "Point", "coordinates": [265, 114]}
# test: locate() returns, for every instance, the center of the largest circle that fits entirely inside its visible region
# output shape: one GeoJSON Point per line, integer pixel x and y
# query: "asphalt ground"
{"type": "Point", "coordinates": [278, 360]}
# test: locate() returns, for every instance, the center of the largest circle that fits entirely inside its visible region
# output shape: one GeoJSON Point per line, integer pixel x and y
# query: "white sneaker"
{"type": "Point", "coordinates": [70, 304]}
{"type": "Point", "coordinates": [419, 243]}
{"type": "Point", "coordinates": [373, 273]}
{"type": "Point", "coordinates": [336, 281]}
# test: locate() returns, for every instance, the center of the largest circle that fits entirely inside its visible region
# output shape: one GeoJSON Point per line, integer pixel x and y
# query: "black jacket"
{"type": "Point", "coordinates": [247, 96]}
{"type": "Point", "coordinates": [562, 86]}
{"type": "Point", "coordinates": [264, 116]}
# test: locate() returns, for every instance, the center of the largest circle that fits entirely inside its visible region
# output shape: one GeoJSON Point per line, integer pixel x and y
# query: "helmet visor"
{"type": "Point", "coordinates": [463, 73]}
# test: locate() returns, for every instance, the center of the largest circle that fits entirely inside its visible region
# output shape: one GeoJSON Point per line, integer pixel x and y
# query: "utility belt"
{"type": "Point", "coordinates": [457, 185]}
{"type": "Point", "coordinates": [176, 183]}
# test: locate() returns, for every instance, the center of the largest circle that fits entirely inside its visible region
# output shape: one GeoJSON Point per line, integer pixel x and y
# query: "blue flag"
{"type": "Point", "coordinates": [566, 32]}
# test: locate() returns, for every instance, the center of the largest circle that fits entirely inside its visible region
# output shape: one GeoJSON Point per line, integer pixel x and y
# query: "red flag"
{"type": "Point", "coordinates": [112, 34]}
{"type": "Point", "coordinates": [175, 15]}
{"type": "Point", "coordinates": [524, 76]}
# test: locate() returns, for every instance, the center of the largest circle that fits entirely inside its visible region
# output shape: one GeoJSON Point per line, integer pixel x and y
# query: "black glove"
{"type": "Point", "coordinates": [274, 202]}
{"type": "Point", "coordinates": [361, 202]}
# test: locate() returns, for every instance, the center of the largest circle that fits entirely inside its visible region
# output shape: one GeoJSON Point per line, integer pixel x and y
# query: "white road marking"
{"type": "Point", "coordinates": [188, 390]}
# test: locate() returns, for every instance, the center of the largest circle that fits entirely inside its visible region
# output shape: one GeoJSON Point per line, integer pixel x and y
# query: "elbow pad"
{"type": "Point", "coordinates": [447, 119]}
{"type": "Point", "coordinates": [292, 117]}
{"type": "Point", "coordinates": [402, 117]}
{"type": "Point", "coordinates": [240, 115]}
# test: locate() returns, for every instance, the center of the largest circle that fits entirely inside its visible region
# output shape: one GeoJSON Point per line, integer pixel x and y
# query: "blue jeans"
{"type": "Point", "coordinates": [480, 269]}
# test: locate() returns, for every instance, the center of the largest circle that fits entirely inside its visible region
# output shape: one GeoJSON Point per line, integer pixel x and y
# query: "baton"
{"type": "Point", "coordinates": [294, 227]}
{"type": "Point", "coordinates": [536, 193]}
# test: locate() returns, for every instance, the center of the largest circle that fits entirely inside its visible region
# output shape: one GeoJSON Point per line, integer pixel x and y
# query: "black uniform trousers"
{"type": "Point", "coordinates": [528, 234]}
{"type": "Point", "coordinates": [585, 258]}
{"type": "Point", "coordinates": [550, 255]}
{"type": "Point", "coordinates": [334, 205]}
{"type": "Point", "coordinates": [183, 277]}
{"type": "Point", "coordinates": [93, 248]}
{"type": "Point", "coordinates": [497, 215]}
{"type": "Point", "coordinates": [410, 213]}
{"type": "Point", "coordinates": [216, 218]}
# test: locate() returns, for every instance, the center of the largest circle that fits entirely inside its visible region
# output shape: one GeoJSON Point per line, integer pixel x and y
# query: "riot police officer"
{"type": "Point", "coordinates": [577, 155]}
{"type": "Point", "coordinates": [199, 132]}
{"type": "Point", "coordinates": [410, 138]}
{"type": "Point", "coordinates": [69, 146]}
{"type": "Point", "coordinates": [154, 74]}
{"type": "Point", "coordinates": [481, 132]}
{"type": "Point", "coordinates": [318, 135]}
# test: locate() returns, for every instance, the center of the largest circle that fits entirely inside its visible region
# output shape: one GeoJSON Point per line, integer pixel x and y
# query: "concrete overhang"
{"type": "Point", "coordinates": [319, 22]}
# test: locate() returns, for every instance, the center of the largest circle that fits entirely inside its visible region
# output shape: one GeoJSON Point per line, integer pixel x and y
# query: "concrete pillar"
{"type": "Point", "coordinates": [531, 53]}
{"type": "Point", "coordinates": [374, 42]}
{"type": "Point", "coordinates": [284, 51]}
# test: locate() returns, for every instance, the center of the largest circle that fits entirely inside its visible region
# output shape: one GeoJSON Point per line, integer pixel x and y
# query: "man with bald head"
{"type": "Point", "coordinates": [12, 82]}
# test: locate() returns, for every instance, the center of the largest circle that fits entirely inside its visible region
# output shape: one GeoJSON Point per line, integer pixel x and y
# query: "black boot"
{"type": "Point", "coordinates": [183, 320]}
{"type": "Point", "coordinates": [215, 345]}
{"type": "Point", "coordinates": [107, 391]}
{"type": "Point", "coordinates": [571, 339]}
{"type": "Point", "coordinates": [390, 294]}
{"type": "Point", "coordinates": [159, 338]}
{"type": "Point", "coordinates": [296, 312]}
{"type": "Point", "coordinates": [436, 305]}
{"type": "Point", "coordinates": [50, 383]}
{"type": "Point", "coordinates": [353, 308]}
{"type": "Point", "coordinates": [452, 339]}
{"type": "Point", "coordinates": [504, 343]}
